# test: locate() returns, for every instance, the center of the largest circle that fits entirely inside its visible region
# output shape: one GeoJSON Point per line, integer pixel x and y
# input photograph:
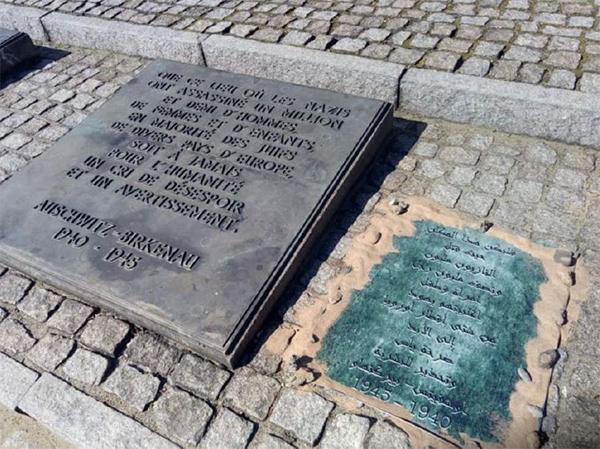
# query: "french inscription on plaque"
{"type": "Point", "coordinates": [187, 201]}
{"type": "Point", "coordinates": [441, 325]}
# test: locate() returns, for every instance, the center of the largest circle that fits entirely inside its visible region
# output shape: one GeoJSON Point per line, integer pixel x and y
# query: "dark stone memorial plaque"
{"type": "Point", "coordinates": [188, 200]}
{"type": "Point", "coordinates": [15, 49]}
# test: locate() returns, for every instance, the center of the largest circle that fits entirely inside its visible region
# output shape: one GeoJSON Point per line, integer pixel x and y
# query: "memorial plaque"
{"type": "Point", "coordinates": [443, 325]}
{"type": "Point", "coordinates": [15, 49]}
{"type": "Point", "coordinates": [187, 201]}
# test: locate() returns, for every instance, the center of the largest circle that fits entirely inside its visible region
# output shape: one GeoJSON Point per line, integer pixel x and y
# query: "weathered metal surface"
{"type": "Point", "coordinates": [187, 201]}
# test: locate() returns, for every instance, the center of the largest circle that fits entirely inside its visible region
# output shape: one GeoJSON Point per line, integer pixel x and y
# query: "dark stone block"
{"type": "Point", "coordinates": [15, 49]}
{"type": "Point", "coordinates": [187, 202]}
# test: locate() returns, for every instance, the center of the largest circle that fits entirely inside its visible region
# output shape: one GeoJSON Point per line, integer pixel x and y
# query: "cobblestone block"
{"type": "Point", "coordinates": [152, 353]}
{"type": "Point", "coordinates": [199, 377]}
{"type": "Point", "coordinates": [86, 367]}
{"type": "Point", "coordinates": [51, 351]}
{"type": "Point", "coordinates": [345, 432]}
{"type": "Point", "coordinates": [570, 201]}
{"type": "Point", "coordinates": [387, 436]}
{"type": "Point", "coordinates": [16, 380]}
{"type": "Point", "coordinates": [476, 203]}
{"type": "Point", "coordinates": [572, 179]}
{"type": "Point", "coordinates": [579, 159]}
{"type": "Point", "coordinates": [39, 304]}
{"type": "Point", "coordinates": [475, 66]}
{"type": "Point", "coordinates": [180, 416]}
{"type": "Point", "coordinates": [14, 337]}
{"type": "Point", "coordinates": [228, 431]}
{"type": "Point", "coordinates": [526, 191]}
{"type": "Point", "coordinates": [133, 387]}
{"type": "Point", "coordinates": [301, 414]}
{"type": "Point", "coordinates": [492, 184]}
{"type": "Point", "coordinates": [432, 168]}
{"type": "Point", "coordinates": [70, 317]}
{"type": "Point", "coordinates": [590, 82]}
{"type": "Point", "coordinates": [497, 164]}
{"type": "Point", "coordinates": [565, 79]}
{"type": "Point", "coordinates": [267, 441]}
{"type": "Point", "coordinates": [462, 176]}
{"type": "Point", "coordinates": [85, 421]}
{"type": "Point", "coordinates": [459, 155]}
{"type": "Point", "coordinates": [541, 154]}
{"type": "Point", "coordinates": [104, 334]}
{"type": "Point", "coordinates": [425, 149]}
{"type": "Point", "coordinates": [554, 222]}
{"type": "Point", "coordinates": [442, 60]}
{"type": "Point", "coordinates": [251, 393]}
{"type": "Point", "coordinates": [445, 194]}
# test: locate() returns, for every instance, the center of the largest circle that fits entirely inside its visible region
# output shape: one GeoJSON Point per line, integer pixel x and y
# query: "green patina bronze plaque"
{"type": "Point", "coordinates": [440, 329]}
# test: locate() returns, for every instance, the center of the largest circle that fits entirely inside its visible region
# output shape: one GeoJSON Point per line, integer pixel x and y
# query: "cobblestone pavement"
{"type": "Point", "coordinates": [127, 378]}
{"type": "Point", "coordinates": [554, 43]}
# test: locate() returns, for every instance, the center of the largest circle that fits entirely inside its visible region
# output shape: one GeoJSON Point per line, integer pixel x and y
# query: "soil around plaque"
{"type": "Point", "coordinates": [378, 343]}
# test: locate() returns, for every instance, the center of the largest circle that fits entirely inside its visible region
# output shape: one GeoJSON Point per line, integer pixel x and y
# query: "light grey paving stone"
{"type": "Point", "coordinates": [475, 66]}
{"type": "Point", "coordinates": [180, 416]}
{"type": "Point", "coordinates": [462, 176]}
{"type": "Point", "coordinates": [16, 380]}
{"type": "Point", "coordinates": [39, 303]}
{"type": "Point", "coordinates": [526, 190]}
{"type": "Point", "coordinates": [345, 432]}
{"type": "Point", "coordinates": [199, 377]}
{"type": "Point", "coordinates": [590, 82]}
{"type": "Point", "coordinates": [267, 441]}
{"type": "Point", "coordinates": [387, 436]}
{"type": "Point", "coordinates": [228, 431]}
{"type": "Point", "coordinates": [132, 386]}
{"type": "Point", "coordinates": [425, 149]}
{"type": "Point", "coordinates": [445, 194]}
{"type": "Point", "coordinates": [23, 18]}
{"type": "Point", "coordinates": [341, 73]}
{"type": "Point", "coordinates": [492, 184]}
{"type": "Point", "coordinates": [104, 334]}
{"type": "Point", "coordinates": [540, 153]}
{"type": "Point", "coordinates": [14, 337]}
{"type": "Point", "coordinates": [251, 393]}
{"type": "Point", "coordinates": [70, 316]}
{"type": "Point", "coordinates": [86, 367]}
{"type": "Point", "coordinates": [569, 178]}
{"type": "Point", "coordinates": [579, 159]}
{"type": "Point", "coordinates": [150, 352]}
{"type": "Point", "coordinates": [50, 351]}
{"type": "Point", "coordinates": [478, 204]}
{"type": "Point", "coordinates": [301, 414]}
{"type": "Point", "coordinates": [84, 421]}
{"type": "Point", "coordinates": [432, 168]}
{"type": "Point", "coordinates": [556, 114]}
{"type": "Point", "coordinates": [459, 155]}
{"type": "Point", "coordinates": [122, 37]}
{"type": "Point", "coordinates": [13, 288]}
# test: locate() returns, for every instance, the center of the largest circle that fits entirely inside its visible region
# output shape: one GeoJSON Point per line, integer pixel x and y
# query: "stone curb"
{"type": "Point", "coordinates": [25, 19]}
{"type": "Point", "coordinates": [137, 40]}
{"type": "Point", "coordinates": [567, 116]}
{"type": "Point", "coordinates": [341, 73]}
{"type": "Point", "coordinates": [15, 381]}
{"type": "Point", "coordinates": [83, 421]}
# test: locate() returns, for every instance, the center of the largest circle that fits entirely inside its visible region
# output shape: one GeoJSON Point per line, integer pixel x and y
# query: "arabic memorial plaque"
{"type": "Point", "coordinates": [187, 201]}
{"type": "Point", "coordinates": [441, 325]}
